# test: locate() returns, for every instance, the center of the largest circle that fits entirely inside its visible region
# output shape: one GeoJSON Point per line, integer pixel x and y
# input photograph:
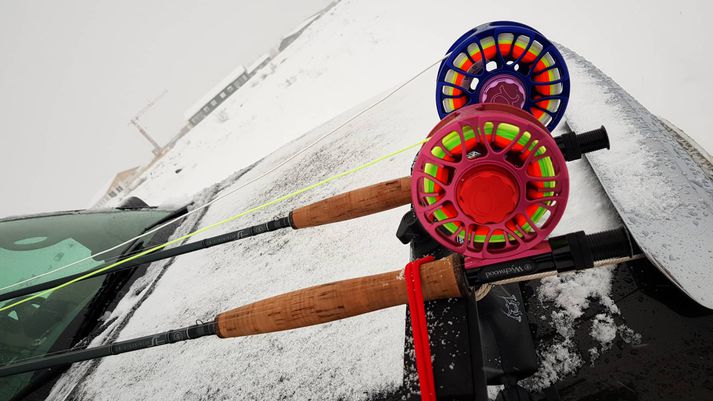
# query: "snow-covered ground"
{"type": "Point", "coordinates": [338, 66]}
{"type": "Point", "coordinates": [361, 48]}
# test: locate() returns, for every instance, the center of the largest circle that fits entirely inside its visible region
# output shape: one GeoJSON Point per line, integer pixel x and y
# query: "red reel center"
{"type": "Point", "coordinates": [488, 194]}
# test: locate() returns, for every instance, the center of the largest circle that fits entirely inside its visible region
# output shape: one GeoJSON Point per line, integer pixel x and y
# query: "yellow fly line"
{"type": "Point", "coordinates": [219, 223]}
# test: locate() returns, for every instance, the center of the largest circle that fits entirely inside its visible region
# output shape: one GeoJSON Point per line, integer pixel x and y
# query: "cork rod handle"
{"type": "Point", "coordinates": [349, 205]}
{"type": "Point", "coordinates": [342, 299]}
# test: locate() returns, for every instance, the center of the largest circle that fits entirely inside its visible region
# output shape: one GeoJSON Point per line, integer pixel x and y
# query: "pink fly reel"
{"type": "Point", "coordinates": [490, 183]}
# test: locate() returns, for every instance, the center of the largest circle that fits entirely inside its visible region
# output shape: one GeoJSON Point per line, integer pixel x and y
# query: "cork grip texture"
{"type": "Point", "coordinates": [360, 202]}
{"type": "Point", "coordinates": [338, 300]}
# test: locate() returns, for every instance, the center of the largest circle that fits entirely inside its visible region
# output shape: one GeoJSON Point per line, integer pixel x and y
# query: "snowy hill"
{"type": "Point", "coordinates": [326, 76]}
{"type": "Point", "coordinates": [358, 50]}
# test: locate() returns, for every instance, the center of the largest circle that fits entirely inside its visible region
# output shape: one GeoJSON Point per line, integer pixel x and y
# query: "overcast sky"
{"type": "Point", "coordinates": [72, 74]}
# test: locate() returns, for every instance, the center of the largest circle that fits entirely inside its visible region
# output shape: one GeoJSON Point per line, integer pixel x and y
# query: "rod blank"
{"type": "Point", "coordinates": [119, 347]}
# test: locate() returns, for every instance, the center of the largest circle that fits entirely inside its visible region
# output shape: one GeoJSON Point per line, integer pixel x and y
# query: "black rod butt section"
{"type": "Point", "coordinates": [617, 243]}
{"type": "Point", "coordinates": [573, 251]}
{"type": "Point", "coordinates": [65, 358]}
{"type": "Point", "coordinates": [573, 146]}
{"type": "Point", "coordinates": [593, 140]}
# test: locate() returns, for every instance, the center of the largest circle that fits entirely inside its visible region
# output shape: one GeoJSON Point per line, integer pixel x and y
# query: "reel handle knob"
{"type": "Point", "coordinates": [573, 146]}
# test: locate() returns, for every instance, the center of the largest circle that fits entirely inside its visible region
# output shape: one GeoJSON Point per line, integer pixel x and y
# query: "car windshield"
{"type": "Point", "coordinates": [38, 249]}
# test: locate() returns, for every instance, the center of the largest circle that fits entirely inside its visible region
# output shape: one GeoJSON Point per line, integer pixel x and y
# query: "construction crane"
{"type": "Point", "coordinates": [135, 122]}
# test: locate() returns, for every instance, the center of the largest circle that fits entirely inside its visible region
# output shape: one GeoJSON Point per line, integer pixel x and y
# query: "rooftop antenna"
{"type": "Point", "coordinates": [135, 122]}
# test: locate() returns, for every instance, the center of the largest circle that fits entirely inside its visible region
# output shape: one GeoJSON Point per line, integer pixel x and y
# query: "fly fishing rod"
{"type": "Point", "coordinates": [440, 279]}
{"type": "Point", "coordinates": [499, 143]}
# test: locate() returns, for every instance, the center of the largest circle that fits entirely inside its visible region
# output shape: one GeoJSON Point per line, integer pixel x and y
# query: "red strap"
{"type": "Point", "coordinates": [422, 348]}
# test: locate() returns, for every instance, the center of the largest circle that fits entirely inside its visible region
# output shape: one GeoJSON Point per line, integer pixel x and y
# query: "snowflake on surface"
{"type": "Point", "coordinates": [570, 296]}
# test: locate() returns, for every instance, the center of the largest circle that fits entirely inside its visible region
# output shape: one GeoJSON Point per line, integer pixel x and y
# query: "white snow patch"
{"type": "Point", "coordinates": [572, 295]}
{"type": "Point", "coordinates": [629, 336]}
{"type": "Point", "coordinates": [573, 292]}
{"type": "Point", "coordinates": [554, 360]}
{"type": "Point", "coordinates": [603, 329]}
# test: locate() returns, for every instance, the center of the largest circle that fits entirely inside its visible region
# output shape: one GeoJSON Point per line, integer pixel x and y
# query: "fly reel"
{"type": "Point", "coordinates": [504, 62]}
{"type": "Point", "coordinates": [490, 182]}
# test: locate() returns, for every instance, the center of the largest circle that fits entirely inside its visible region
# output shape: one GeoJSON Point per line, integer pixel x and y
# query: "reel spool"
{"type": "Point", "coordinates": [504, 62]}
{"type": "Point", "coordinates": [490, 182]}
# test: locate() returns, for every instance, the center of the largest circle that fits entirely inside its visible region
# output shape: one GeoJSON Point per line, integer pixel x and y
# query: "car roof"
{"type": "Point", "coordinates": [85, 211]}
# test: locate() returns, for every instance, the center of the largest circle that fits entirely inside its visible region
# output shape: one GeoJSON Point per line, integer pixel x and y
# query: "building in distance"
{"type": "Point", "coordinates": [119, 184]}
{"type": "Point", "coordinates": [258, 64]}
{"type": "Point", "coordinates": [217, 95]}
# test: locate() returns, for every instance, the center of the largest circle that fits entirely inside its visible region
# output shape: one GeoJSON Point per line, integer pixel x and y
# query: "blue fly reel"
{"type": "Point", "coordinates": [504, 62]}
